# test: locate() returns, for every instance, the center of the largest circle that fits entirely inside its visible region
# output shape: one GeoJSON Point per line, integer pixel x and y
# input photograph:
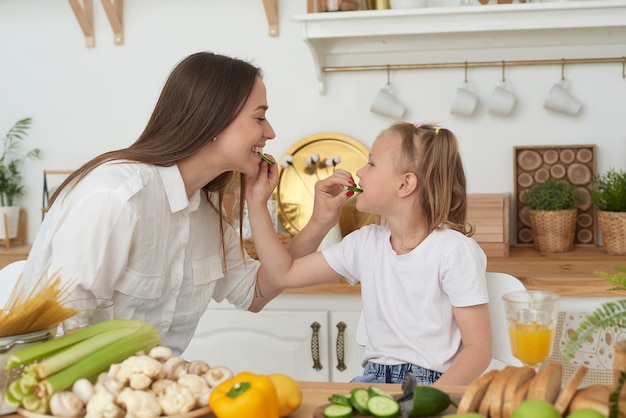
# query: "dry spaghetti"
{"type": "Point", "coordinates": [37, 309]}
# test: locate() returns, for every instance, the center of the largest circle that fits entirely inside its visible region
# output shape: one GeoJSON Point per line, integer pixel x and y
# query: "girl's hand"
{"type": "Point", "coordinates": [330, 195]}
{"type": "Point", "coordinates": [260, 187]}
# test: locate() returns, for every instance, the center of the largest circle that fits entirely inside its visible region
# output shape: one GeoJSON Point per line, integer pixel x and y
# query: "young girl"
{"type": "Point", "coordinates": [422, 276]}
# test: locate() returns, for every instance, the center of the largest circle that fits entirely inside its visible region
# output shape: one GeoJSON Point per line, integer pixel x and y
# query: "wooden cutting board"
{"type": "Point", "coordinates": [319, 411]}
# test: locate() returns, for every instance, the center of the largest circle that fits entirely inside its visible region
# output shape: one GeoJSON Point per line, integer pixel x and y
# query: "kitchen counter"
{"type": "Point", "coordinates": [315, 394]}
{"type": "Point", "coordinates": [568, 274]}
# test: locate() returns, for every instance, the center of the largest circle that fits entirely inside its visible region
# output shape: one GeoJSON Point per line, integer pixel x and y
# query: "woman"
{"type": "Point", "coordinates": [144, 225]}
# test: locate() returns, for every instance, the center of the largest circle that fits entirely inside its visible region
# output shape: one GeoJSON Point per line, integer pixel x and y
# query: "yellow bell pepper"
{"type": "Point", "coordinates": [245, 395]}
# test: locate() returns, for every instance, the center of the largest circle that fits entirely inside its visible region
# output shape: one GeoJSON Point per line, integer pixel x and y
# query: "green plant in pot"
{"type": "Point", "coordinates": [552, 209]}
{"type": "Point", "coordinates": [609, 195]}
{"type": "Point", "coordinates": [11, 181]}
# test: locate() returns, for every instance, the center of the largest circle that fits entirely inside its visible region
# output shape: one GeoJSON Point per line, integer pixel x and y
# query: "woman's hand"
{"type": "Point", "coordinates": [260, 187]}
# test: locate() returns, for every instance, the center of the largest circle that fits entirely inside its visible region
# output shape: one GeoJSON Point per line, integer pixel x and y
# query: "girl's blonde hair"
{"type": "Point", "coordinates": [432, 154]}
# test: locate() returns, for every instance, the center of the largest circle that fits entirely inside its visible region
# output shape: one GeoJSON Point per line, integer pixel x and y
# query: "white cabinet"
{"type": "Point", "coordinates": [377, 38]}
{"type": "Point", "coordinates": [309, 337]}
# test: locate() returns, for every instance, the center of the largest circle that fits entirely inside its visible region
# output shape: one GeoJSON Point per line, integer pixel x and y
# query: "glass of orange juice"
{"type": "Point", "coordinates": [532, 318]}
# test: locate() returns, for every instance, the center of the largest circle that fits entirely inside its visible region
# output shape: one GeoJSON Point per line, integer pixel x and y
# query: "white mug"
{"type": "Point", "coordinates": [502, 100]}
{"type": "Point", "coordinates": [465, 101]}
{"type": "Point", "coordinates": [386, 104]}
{"type": "Point", "coordinates": [560, 100]}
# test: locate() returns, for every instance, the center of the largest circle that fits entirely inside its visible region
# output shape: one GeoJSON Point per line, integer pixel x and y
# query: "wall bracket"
{"type": "Point", "coordinates": [271, 12]}
{"type": "Point", "coordinates": [115, 13]}
{"type": "Point", "coordinates": [84, 15]}
{"type": "Point", "coordinates": [114, 9]}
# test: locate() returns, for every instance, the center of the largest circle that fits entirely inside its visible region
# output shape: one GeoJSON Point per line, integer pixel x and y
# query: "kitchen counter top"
{"type": "Point", "coordinates": [315, 394]}
{"type": "Point", "coordinates": [568, 274]}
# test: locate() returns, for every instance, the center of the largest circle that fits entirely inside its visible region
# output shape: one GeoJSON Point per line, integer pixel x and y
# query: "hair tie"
{"type": "Point", "coordinates": [437, 131]}
{"type": "Point", "coordinates": [417, 125]}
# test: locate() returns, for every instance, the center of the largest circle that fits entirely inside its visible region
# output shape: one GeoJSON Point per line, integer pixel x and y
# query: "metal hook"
{"type": "Point", "coordinates": [466, 71]}
{"type": "Point", "coordinates": [503, 77]}
{"type": "Point", "coordinates": [562, 68]}
{"type": "Point", "coordinates": [388, 71]}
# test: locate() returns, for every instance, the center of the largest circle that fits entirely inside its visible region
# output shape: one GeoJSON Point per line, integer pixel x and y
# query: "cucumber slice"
{"type": "Point", "coordinates": [359, 398]}
{"type": "Point", "coordinates": [376, 391]}
{"type": "Point", "coordinates": [266, 159]}
{"type": "Point", "coordinates": [340, 400]}
{"type": "Point", "coordinates": [338, 411]}
{"type": "Point", "coordinates": [383, 407]}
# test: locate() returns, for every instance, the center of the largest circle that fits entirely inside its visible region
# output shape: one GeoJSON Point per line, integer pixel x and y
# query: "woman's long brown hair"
{"type": "Point", "coordinates": [202, 95]}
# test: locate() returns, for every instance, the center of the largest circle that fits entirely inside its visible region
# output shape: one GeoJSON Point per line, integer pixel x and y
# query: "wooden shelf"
{"type": "Point", "coordinates": [465, 33]}
{"type": "Point", "coordinates": [568, 274]}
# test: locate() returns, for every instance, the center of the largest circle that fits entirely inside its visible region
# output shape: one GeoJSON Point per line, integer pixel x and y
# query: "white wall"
{"type": "Point", "coordinates": [84, 101]}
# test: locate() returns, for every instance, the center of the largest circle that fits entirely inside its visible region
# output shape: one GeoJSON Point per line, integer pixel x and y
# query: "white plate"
{"type": "Point", "coordinates": [191, 414]}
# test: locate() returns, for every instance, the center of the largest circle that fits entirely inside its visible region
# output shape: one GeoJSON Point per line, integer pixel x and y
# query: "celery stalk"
{"type": "Point", "coordinates": [70, 355]}
{"type": "Point", "coordinates": [50, 347]}
{"type": "Point", "coordinates": [142, 339]}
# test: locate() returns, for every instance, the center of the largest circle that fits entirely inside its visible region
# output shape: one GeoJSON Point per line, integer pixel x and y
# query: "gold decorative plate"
{"type": "Point", "coordinates": [296, 184]}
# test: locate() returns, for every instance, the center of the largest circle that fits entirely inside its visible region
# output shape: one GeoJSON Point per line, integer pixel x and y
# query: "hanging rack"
{"type": "Point", "coordinates": [466, 64]}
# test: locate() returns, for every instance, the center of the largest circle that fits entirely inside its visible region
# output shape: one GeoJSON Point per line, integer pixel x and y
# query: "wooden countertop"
{"type": "Point", "coordinates": [568, 274]}
{"type": "Point", "coordinates": [315, 394]}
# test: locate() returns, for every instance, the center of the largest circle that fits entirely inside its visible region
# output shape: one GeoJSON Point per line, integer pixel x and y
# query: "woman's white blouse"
{"type": "Point", "coordinates": [128, 232]}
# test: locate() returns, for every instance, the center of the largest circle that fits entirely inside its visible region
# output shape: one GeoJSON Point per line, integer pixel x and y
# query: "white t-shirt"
{"type": "Point", "coordinates": [408, 299]}
{"type": "Point", "coordinates": [128, 232]}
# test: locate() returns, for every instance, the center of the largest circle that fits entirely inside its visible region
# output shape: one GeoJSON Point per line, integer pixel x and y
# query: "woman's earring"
{"type": "Point", "coordinates": [214, 138]}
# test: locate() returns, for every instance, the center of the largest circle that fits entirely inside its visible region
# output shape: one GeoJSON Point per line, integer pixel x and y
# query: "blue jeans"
{"type": "Point", "coordinates": [379, 373]}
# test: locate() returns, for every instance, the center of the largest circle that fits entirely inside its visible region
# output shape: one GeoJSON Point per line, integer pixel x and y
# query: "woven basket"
{"type": "Point", "coordinates": [553, 231]}
{"type": "Point", "coordinates": [613, 229]}
{"type": "Point", "coordinates": [248, 243]}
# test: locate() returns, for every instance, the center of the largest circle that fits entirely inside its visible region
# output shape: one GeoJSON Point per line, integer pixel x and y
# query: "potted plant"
{"type": "Point", "coordinates": [552, 210]}
{"type": "Point", "coordinates": [609, 195]}
{"type": "Point", "coordinates": [11, 182]}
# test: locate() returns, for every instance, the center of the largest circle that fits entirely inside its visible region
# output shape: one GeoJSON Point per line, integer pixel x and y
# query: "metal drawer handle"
{"type": "Point", "coordinates": [315, 345]}
{"type": "Point", "coordinates": [341, 365]}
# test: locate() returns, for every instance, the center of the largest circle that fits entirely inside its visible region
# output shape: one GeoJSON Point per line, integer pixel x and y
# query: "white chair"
{"type": "Point", "coordinates": [497, 285]}
{"type": "Point", "coordinates": [9, 276]}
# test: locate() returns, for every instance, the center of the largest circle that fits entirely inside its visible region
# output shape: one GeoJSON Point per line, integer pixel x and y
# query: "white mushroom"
{"type": "Point", "coordinates": [161, 353]}
{"type": "Point", "coordinates": [66, 404]}
{"type": "Point", "coordinates": [198, 386]}
{"type": "Point", "coordinates": [197, 367]}
{"type": "Point", "coordinates": [217, 375]}
{"type": "Point", "coordinates": [83, 388]}
{"type": "Point", "coordinates": [174, 367]}
{"type": "Point", "coordinates": [102, 405]}
{"type": "Point", "coordinates": [139, 371]}
{"type": "Point", "coordinates": [139, 403]}
{"type": "Point", "coordinates": [176, 400]}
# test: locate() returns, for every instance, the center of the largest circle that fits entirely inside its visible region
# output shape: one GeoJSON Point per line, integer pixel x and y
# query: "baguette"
{"type": "Point", "coordinates": [594, 397]}
{"type": "Point", "coordinates": [568, 392]}
{"type": "Point", "coordinates": [475, 392]}
{"type": "Point", "coordinates": [546, 385]}
{"type": "Point", "coordinates": [517, 379]}
{"type": "Point", "coordinates": [491, 405]}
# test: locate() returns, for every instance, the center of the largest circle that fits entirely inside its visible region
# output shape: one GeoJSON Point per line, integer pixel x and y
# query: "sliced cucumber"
{"type": "Point", "coordinates": [382, 406]}
{"type": "Point", "coordinates": [340, 400]}
{"type": "Point", "coordinates": [359, 398]}
{"type": "Point", "coordinates": [376, 391]}
{"type": "Point", "coordinates": [266, 159]}
{"type": "Point", "coordinates": [338, 411]}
